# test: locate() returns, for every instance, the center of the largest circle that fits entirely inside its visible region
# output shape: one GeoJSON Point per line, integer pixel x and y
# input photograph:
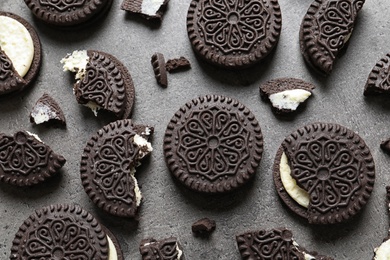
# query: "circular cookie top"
{"type": "Point", "coordinates": [18, 60]}
{"type": "Point", "coordinates": [66, 12]}
{"type": "Point", "coordinates": [333, 165]}
{"type": "Point", "coordinates": [213, 144]}
{"type": "Point", "coordinates": [234, 34]}
{"type": "Point", "coordinates": [60, 232]}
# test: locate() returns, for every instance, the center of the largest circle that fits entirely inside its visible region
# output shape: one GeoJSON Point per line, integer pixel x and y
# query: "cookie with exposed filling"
{"type": "Point", "coordinates": [149, 9]}
{"type": "Point", "coordinates": [46, 110]}
{"type": "Point", "coordinates": [163, 249]}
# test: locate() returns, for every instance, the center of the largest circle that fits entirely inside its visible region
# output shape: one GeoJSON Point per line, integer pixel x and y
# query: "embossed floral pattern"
{"type": "Point", "coordinates": [63, 5]}
{"type": "Point", "coordinates": [233, 25]}
{"type": "Point", "coordinates": [384, 77]}
{"type": "Point", "coordinates": [213, 143]}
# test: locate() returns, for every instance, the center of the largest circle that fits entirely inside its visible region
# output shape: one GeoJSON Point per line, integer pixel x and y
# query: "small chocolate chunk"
{"type": "Point", "coordinates": [378, 81]}
{"type": "Point", "coordinates": [164, 249]}
{"type": "Point", "coordinates": [149, 9]}
{"type": "Point", "coordinates": [174, 65]}
{"type": "Point", "coordinates": [158, 63]}
{"type": "Point", "coordinates": [203, 226]}
{"type": "Point", "coordinates": [385, 146]}
{"type": "Point", "coordinates": [46, 109]}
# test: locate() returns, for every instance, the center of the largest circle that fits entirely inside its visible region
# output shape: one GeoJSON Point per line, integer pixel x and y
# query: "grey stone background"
{"type": "Point", "coordinates": [169, 209]}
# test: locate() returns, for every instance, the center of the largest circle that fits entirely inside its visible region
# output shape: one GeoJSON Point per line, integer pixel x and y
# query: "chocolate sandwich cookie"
{"type": "Point", "coordinates": [234, 34]}
{"type": "Point", "coordinates": [25, 160]}
{"type": "Point", "coordinates": [160, 72]}
{"type": "Point", "coordinates": [276, 243]}
{"type": "Point", "coordinates": [63, 231]}
{"type": "Point", "coordinates": [108, 166]}
{"type": "Point", "coordinates": [378, 81]}
{"type": "Point", "coordinates": [164, 249]}
{"type": "Point", "coordinates": [46, 110]}
{"type": "Point", "coordinates": [20, 53]}
{"type": "Point", "coordinates": [324, 172]}
{"type": "Point", "coordinates": [103, 82]}
{"type": "Point", "coordinates": [286, 94]}
{"type": "Point", "coordinates": [326, 29]}
{"type": "Point", "coordinates": [213, 144]}
{"type": "Point", "coordinates": [382, 252]}
{"type": "Point", "coordinates": [149, 9]}
{"type": "Point", "coordinates": [67, 12]}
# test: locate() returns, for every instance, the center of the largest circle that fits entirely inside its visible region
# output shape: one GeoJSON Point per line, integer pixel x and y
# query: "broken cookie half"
{"type": "Point", "coordinates": [108, 166]}
{"type": "Point", "coordinates": [47, 110]}
{"type": "Point", "coordinates": [103, 82]}
{"type": "Point", "coordinates": [286, 94]}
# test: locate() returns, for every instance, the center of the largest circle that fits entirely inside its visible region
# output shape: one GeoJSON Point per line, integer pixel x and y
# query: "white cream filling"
{"type": "Point", "coordinates": [42, 113]}
{"type": "Point", "coordinates": [290, 185]}
{"type": "Point", "coordinates": [93, 106]}
{"type": "Point", "coordinates": [35, 136]}
{"type": "Point", "coordinates": [142, 142]}
{"type": "Point", "coordinates": [305, 255]}
{"type": "Point", "coordinates": [76, 62]}
{"type": "Point", "coordinates": [150, 7]}
{"type": "Point", "coordinates": [112, 253]}
{"type": "Point", "coordinates": [137, 191]}
{"type": "Point", "coordinates": [383, 251]}
{"type": "Point", "coordinates": [16, 42]}
{"type": "Point", "coordinates": [289, 99]}
{"type": "Point", "coordinates": [179, 252]}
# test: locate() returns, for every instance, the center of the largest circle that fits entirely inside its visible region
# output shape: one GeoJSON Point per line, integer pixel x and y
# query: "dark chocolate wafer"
{"type": "Point", "coordinates": [164, 249]}
{"type": "Point", "coordinates": [46, 109]}
{"type": "Point", "coordinates": [234, 34]}
{"type": "Point", "coordinates": [378, 81]}
{"type": "Point", "coordinates": [213, 144]}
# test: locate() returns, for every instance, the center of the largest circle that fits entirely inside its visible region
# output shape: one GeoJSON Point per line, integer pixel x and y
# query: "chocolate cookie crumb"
{"type": "Point", "coordinates": [385, 146]}
{"type": "Point", "coordinates": [174, 65]}
{"type": "Point", "coordinates": [204, 226]}
{"type": "Point", "coordinates": [158, 63]}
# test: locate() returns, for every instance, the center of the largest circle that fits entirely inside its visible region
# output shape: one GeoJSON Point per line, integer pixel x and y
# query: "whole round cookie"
{"type": "Point", "coordinates": [213, 144]}
{"type": "Point", "coordinates": [324, 172]}
{"type": "Point", "coordinates": [67, 12]}
{"type": "Point", "coordinates": [234, 34]}
{"type": "Point", "coordinates": [60, 232]}
{"type": "Point", "coordinates": [20, 53]}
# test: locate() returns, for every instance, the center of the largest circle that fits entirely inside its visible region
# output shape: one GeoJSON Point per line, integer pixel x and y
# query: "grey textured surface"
{"type": "Point", "coordinates": [168, 209]}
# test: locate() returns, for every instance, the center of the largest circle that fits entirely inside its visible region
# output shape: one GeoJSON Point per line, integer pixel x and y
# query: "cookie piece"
{"type": "Point", "coordinates": [67, 13]}
{"type": "Point", "coordinates": [277, 243]}
{"type": "Point", "coordinates": [378, 81]}
{"type": "Point", "coordinates": [385, 146]}
{"type": "Point", "coordinates": [25, 160]}
{"type": "Point", "coordinates": [174, 65]}
{"type": "Point", "coordinates": [324, 172]}
{"type": "Point", "coordinates": [20, 53]}
{"type": "Point", "coordinates": [326, 29]}
{"type": "Point", "coordinates": [149, 9]}
{"type": "Point", "coordinates": [103, 82]}
{"type": "Point", "coordinates": [382, 252]}
{"type": "Point", "coordinates": [286, 94]}
{"type": "Point", "coordinates": [213, 144]}
{"type": "Point", "coordinates": [108, 166]}
{"type": "Point", "coordinates": [60, 231]}
{"type": "Point", "coordinates": [158, 63]}
{"type": "Point", "coordinates": [203, 226]}
{"type": "Point", "coordinates": [234, 34]}
{"type": "Point", "coordinates": [46, 109]}
{"type": "Point", "coordinates": [164, 249]}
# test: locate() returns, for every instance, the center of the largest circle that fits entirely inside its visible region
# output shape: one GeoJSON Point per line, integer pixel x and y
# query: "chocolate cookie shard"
{"type": "Point", "coordinates": [378, 81]}
{"type": "Point", "coordinates": [174, 65]}
{"type": "Point", "coordinates": [286, 94]}
{"type": "Point", "coordinates": [65, 12]}
{"type": "Point", "coordinates": [108, 166]}
{"type": "Point", "coordinates": [385, 146]}
{"type": "Point", "coordinates": [234, 34]}
{"type": "Point", "coordinates": [149, 9]}
{"type": "Point", "coordinates": [324, 172]}
{"type": "Point", "coordinates": [20, 53]}
{"type": "Point", "coordinates": [203, 226]}
{"type": "Point", "coordinates": [25, 160]}
{"type": "Point", "coordinates": [277, 243]}
{"type": "Point", "coordinates": [213, 144]}
{"type": "Point", "coordinates": [326, 29]}
{"type": "Point", "coordinates": [60, 232]}
{"type": "Point", "coordinates": [46, 109]}
{"type": "Point", "coordinates": [160, 73]}
{"type": "Point", "coordinates": [382, 252]}
{"type": "Point", "coordinates": [103, 82]}
{"type": "Point", "coordinates": [164, 249]}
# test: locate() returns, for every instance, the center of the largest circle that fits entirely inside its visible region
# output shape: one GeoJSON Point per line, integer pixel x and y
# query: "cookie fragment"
{"type": "Point", "coordinates": [46, 109]}
{"type": "Point", "coordinates": [213, 144]}
{"type": "Point", "coordinates": [103, 82]}
{"type": "Point", "coordinates": [326, 29]}
{"type": "Point", "coordinates": [385, 146]}
{"type": "Point", "coordinates": [378, 81]}
{"type": "Point", "coordinates": [324, 172]}
{"type": "Point", "coordinates": [158, 63]}
{"type": "Point", "coordinates": [277, 243]}
{"type": "Point", "coordinates": [234, 34]}
{"type": "Point", "coordinates": [164, 249]}
{"type": "Point", "coordinates": [382, 252]}
{"type": "Point", "coordinates": [286, 94]}
{"type": "Point", "coordinates": [203, 226]}
{"type": "Point", "coordinates": [174, 65]}
{"type": "Point", "coordinates": [149, 9]}
{"type": "Point", "coordinates": [108, 166]}
{"type": "Point", "coordinates": [25, 160]}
